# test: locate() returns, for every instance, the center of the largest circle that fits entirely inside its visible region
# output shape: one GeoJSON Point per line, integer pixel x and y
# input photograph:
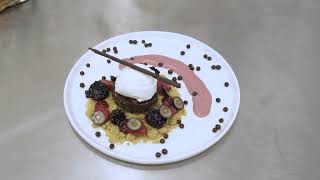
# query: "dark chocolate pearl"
{"type": "Point", "coordinates": [205, 56]}
{"type": "Point", "coordinates": [81, 73]}
{"type": "Point", "coordinates": [170, 71]}
{"type": "Point", "coordinates": [179, 121]}
{"type": "Point", "coordinates": [146, 45]}
{"type": "Point", "coordinates": [131, 58]}
{"type": "Point", "coordinates": [164, 151]}
{"type": "Point", "coordinates": [194, 93]}
{"type": "Point", "coordinates": [226, 84]}
{"type": "Point", "coordinates": [108, 61]}
{"type": "Point", "coordinates": [218, 100]}
{"type": "Point", "coordinates": [192, 68]}
{"type": "Point", "coordinates": [174, 79]}
{"type": "Point", "coordinates": [182, 53]}
{"type": "Point", "coordinates": [150, 45]}
{"type": "Point", "coordinates": [160, 64]}
{"type": "Point", "coordinates": [143, 41]}
{"type": "Point", "coordinates": [188, 46]}
{"type": "Point", "coordinates": [158, 154]}
{"type": "Point", "coordinates": [185, 102]}
{"type": "Point", "coordinates": [135, 41]}
{"type": "Point", "coordinates": [104, 51]}
{"type": "Point", "coordinates": [82, 85]}
{"type": "Point", "coordinates": [221, 120]}
{"type": "Point", "coordinates": [111, 146]}
{"type": "Point", "coordinates": [214, 130]}
{"type": "Point", "coordinates": [190, 65]}
{"type": "Point", "coordinates": [115, 51]}
{"type": "Point", "coordinates": [162, 141]}
{"type": "Point", "coordinates": [213, 67]}
{"type": "Point", "coordinates": [209, 58]}
{"type": "Point", "coordinates": [179, 85]}
{"type": "Point", "coordinates": [130, 41]}
{"type": "Point", "coordinates": [108, 49]}
{"type": "Point", "coordinates": [88, 64]}
{"type": "Point", "coordinates": [166, 136]}
{"type": "Point", "coordinates": [198, 68]}
{"type": "Point", "coordinates": [179, 77]}
{"type": "Point", "coordinates": [145, 63]}
{"type": "Point", "coordinates": [181, 126]}
{"type": "Point", "coordinates": [113, 79]}
{"type": "Point", "coordinates": [98, 134]}
{"type": "Point", "coordinates": [103, 77]}
{"type": "Point", "coordinates": [218, 126]}
{"type": "Point", "coordinates": [114, 48]}
{"type": "Point", "coordinates": [225, 109]}
{"type": "Point", "coordinates": [218, 67]}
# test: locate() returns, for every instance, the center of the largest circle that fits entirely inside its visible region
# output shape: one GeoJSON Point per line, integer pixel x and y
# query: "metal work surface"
{"type": "Point", "coordinates": [273, 47]}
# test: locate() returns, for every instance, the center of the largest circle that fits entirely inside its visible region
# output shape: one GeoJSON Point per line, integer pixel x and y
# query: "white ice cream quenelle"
{"type": "Point", "coordinates": [136, 85]}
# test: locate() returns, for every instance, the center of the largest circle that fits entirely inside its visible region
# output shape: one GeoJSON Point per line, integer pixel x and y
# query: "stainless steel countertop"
{"type": "Point", "coordinates": [273, 47]}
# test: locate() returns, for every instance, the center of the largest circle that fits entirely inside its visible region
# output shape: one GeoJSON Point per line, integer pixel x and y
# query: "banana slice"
{"type": "Point", "coordinates": [165, 111]}
{"type": "Point", "coordinates": [178, 103]}
{"type": "Point", "coordinates": [98, 118]}
{"type": "Point", "coordinates": [134, 124]}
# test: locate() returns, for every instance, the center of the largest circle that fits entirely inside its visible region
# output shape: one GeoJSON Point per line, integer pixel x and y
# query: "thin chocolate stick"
{"type": "Point", "coordinates": [168, 81]}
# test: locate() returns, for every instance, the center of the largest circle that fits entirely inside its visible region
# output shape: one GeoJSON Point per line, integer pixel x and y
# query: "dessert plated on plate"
{"type": "Point", "coordinates": [134, 107]}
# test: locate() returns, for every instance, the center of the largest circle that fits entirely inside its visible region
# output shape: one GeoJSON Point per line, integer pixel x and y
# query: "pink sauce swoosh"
{"type": "Point", "coordinates": [202, 101]}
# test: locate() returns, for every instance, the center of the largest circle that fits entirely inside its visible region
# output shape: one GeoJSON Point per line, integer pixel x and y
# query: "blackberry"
{"type": "Point", "coordinates": [97, 91]}
{"type": "Point", "coordinates": [154, 118]}
{"type": "Point", "coordinates": [118, 117]}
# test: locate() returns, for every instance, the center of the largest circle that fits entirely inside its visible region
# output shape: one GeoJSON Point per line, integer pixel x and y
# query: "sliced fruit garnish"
{"type": "Point", "coordinates": [98, 118]}
{"type": "Point", "coordinates": [107, 83]}
{"type": "Point", "coordinates": [162, 87]}
{"type": "Point", "coordinates": [138, 132]}
{"type": "Point", "coordinates": [134, 124]}
{"type": "Point", "coordinates": [178, 103]}
{"type": "Point", "coordinates": [165, 111]}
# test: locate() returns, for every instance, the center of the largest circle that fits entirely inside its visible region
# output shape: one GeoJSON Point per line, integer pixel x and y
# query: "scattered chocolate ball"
{"type": "Point", "coordinates": [82, 85]}
{"type": "Point", "coordinates": [205, 56]}
{"type": "Point", "coordinates": [188, 46]}
{"type": "Point", "coordinates": [179, 77]}
{"type": "Point", "coordinates": [108, 49]}
{"type": "Point", "coordinates": [143, 41]}
{"type": "Point", "coordinates": [218, 126]}
{"type": "Point", "coordinates": [160, 64]}
{"type": "Point", "coordinates": [114, 48]}
{"type": "Point", "coordinates": [164, 151]}
{"type": "Point", "coordinates": [198, 68]}
{"type": "Point", "coordinates": [218, 67]}
{"type": "Point", "coordinates": [170, 71]}
{"type": "Point", "coordinates": [174, 79]}
{"type": "Point", "coordinates": [194, 93]}
{"type": "Point", "coordinates": [213, 67]}
{"type": "Point", "coordinates": [111, 146]}
{"type": "Point", "coordinates": [146, 45]}
{"type": "Point", "coordinates": [130, 41]}
{"type": "Point", "coordinates": [179, 121]}
{"type": "Point", "coordinates": [113, 79]}
{"type": "Point", "coordinates": [115, 51]}
{"type": "Point", "coordinates": [150, 45]}
{"type": "Point", "coordinates": [108, 61]}
{"type": "Point", "coordinates": [88, 64]}
{"type": "Point", "coordinates": [131, 58]}
{"type": "Point", "coordinates": [221, 120]}
{"type": "Point", "coordinates": [135, 42]}
{"type": "Point", "coordinates": [81, 73]}
{"type": "Point", "coordinates": [158, 154]}
{"type": "Point", "coordinates": [145, 64]}
{"type": "Point", "coordinates": [226, 84]}
{"type": "Point", "coordinates": [162, 141]}
{"type": "Point", "coordinates": [181, 126]}
{"type": "Point", "coordinates": [192, 68]}
{"type": "Point", "coordinates": [179, 85]}
{"type": "Point", "coordinates": [214, 130]}
{"type": "Point", "coordinates": [209, 58]}
{"type": "Point", "coordinates": [166, 136]}
{"type": "Point", "coordinates": [182, 53]}
{"type": "Point", "coordinates": [225, 109]}
{"type": "Point", "coordinates": [103, 77]}
{"type": "Point", "coordinates": [98, 134]}
{"type": "Point", "coordinates": [185, 102]}
{"type": "Point", "coordinates": [104, 51]}
{"type": "Point", "coordinates": [218, 100]}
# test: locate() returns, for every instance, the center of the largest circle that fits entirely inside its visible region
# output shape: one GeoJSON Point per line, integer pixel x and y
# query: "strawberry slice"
{"type": "Point", "coordinates": [162, 87]}
{"type": "Point", "coordinates": [126, 130]}
{"type": "Point", "coordinates": [107, 83]}
{"type": "Point", "coordinates": [102, 106]}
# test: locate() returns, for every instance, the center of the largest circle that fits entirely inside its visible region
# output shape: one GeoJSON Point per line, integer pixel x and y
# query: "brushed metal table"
{"type": "Point", "coordinates": [273, 47]}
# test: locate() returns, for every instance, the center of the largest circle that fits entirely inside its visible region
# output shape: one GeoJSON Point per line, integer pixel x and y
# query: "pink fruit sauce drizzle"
{"type": "Point", "coordinates": [202, 101]}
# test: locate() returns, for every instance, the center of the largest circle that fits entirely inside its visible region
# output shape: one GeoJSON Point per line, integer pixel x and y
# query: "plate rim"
{"type": "Point", "coordinates": [141, 161]}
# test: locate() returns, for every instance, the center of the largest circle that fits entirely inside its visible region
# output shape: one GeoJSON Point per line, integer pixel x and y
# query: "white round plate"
{"type": "Point", "coordinates": [197, 134]}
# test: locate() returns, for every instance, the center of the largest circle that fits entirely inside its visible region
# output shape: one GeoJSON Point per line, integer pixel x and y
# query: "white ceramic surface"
{"type": "Point", "coordinates": [197, 134]}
